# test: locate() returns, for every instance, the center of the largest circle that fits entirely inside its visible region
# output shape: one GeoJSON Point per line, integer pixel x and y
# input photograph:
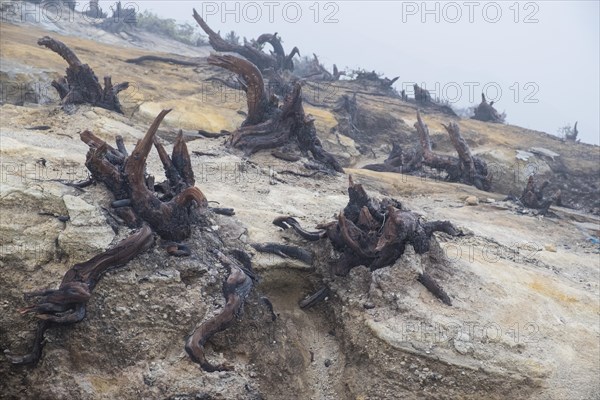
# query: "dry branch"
{"type": "Point", "coordinates": [572, 136]}
{"type": "Point", "coordinates": [317, 72]}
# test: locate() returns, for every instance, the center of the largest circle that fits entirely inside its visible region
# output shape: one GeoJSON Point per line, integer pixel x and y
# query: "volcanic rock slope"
{"type": "Point", "coordinates": [525, 316]}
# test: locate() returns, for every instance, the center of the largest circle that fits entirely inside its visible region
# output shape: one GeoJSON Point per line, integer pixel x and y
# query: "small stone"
{"type": "Point", "coordinates": [550, 247]}
{"type": "Point", "coordinates": [369, 305]}
{"type": "Point", "coordinates": [472, 201]}
{"type": "Point", "coordinates": [327, 362]}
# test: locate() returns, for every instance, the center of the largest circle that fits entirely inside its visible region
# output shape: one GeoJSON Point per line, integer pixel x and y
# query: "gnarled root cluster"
{"type": "Point", "coordinates": [400, 160]}
{"type": "Point", "coordinates": [269, 125]}
{"type": "Point", "coordinates": [67, 303]}
{"type": "Point", "coordinates": [235, 290]}
{"type": "Point", "coordinates": [167, 206]}
{"type": "Point", "coordinates": [80, 85]}
{"type": "Point", "coordinates": [375, 234]}
{"type": "Point", "coordinates": [487, 113]}
{"type": "Point", "coordinates": [277, 61]}
{"type": "Point", "coordinates": [466, 168]}
{"type": "Point", "coordinates": [533, 196]}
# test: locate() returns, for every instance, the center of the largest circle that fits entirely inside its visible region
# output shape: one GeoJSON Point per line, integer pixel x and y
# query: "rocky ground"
{"type": "Point", "coordinates": [525, 288]}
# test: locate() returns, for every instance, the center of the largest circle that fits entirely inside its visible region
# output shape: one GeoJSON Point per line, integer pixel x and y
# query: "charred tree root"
{"type": "Point", "coordinates": [314, 298]}
{"type": "Point", "coordinates": [433, 287]}
{"type": "Point", "coordinates": [269, 126]}
{"type": "Point", "coordinates": [67, 303]}
{"type": "Point", "coordinates": [142, 59]}
{"type": "Point", "coordinates": [375, 234]}
{"type": "Point", "coordinates": [533, 196]}
{"type": "Point", "coordinates": [400, 161]}
{"type": "Point", "coordinates": [487, 113]}
{"type": "Point", "coordinates": [80, 85]}
{"type": "Point", "coordinates": [284, 251]}
{"type": "Point", "coordinates": [169, 215]}
{"type": "Point", "coordinates": [466, 168]}
{"type": "Point", "coordinates": [235, 290]}
{"type": "Point", "coordinates": [278, 61]}
{"type": "Point", "coordinates": [317, 72]}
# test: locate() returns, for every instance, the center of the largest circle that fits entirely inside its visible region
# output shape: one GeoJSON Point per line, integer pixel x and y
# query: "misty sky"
{"type": "Point", "coordinates": [538, 60]}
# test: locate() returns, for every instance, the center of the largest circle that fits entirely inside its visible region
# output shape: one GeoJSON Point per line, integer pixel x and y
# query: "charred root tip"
{"type": "Point", "coordinates": [291, 222]}
{"type": "Point", "coordinates": [196, 354]}
{"type": "Point", "coordinates": [267, 303]}
{"type": "Point", "coordinates": [223, 211]}
{"type": "Point", "coordinates": [284, 251]}
{"type": "Point", "coordinates": [314, 298]}
{"type": "Point", "coordinates": [434, 288]}
{"type": "Point", "coordinates": [121, 203]}
{"type": "Point", "coordinates": [178, 250]}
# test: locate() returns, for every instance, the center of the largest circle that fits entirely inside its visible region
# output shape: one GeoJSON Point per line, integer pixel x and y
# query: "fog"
{"type": "Point", "coordinates": [538, 60]}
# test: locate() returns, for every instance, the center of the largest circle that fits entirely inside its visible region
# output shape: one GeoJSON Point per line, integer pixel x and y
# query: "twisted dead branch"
{"type": "Point", "coordinates": [66, 304]}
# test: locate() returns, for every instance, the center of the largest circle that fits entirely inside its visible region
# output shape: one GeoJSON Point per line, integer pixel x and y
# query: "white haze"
{"type": "Point", "coordinates": [551, 64]}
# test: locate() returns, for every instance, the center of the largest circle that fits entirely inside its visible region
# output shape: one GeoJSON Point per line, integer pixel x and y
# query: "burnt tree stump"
{"type": "Point", "coordinates": [80, 85]}
{"type": "Point", "coordinates": [422, 96]}
{"type": "Point", "coordinates": [278, 61]}
{"type": "Point", "coordinates": [487, 113]}
{"type": "Point", "coordinates": [167, 207]}
{"type": "Point", "coordinates": [375, 234]}
{"type": "Point", "coordinates": [269, 125]}
{"type": "Point", "coordinates": [466, 168]}
{"type": "Point", "coordinates": [572, 136]}
{"type": "Point", "coordinates": [533, 196]}
{"type": "Point", "coordinates": [400, 160]}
